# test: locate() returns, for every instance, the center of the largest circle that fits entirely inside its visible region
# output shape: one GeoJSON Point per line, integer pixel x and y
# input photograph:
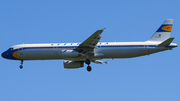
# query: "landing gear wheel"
{"type": "Point", "coordinates": [20, 66]}
{"type": "Point", "coordinates": [87, 61]}
{"type": "Point", "coordinates": [89, 68]}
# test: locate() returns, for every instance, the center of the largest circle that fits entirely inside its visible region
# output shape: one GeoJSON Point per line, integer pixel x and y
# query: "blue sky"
{"type": "Point", "coordinates": [148, 78]}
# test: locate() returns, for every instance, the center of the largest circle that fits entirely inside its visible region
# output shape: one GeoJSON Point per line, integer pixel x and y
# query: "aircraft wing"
{"type": "Point", "coordinates": [92, 41]}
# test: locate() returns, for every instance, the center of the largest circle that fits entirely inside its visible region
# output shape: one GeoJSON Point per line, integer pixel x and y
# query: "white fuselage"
{"type": "Point", "coordinates": [103, 50]}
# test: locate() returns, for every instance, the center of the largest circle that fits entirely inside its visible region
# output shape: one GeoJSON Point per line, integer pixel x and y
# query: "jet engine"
{"type": "Point", "coordinates": [73, 64]}
{"type": "Point", "coordinates": [70, 53]}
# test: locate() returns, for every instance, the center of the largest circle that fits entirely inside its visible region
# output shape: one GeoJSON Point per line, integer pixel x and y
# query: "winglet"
{"type": "Point", "coordinates": [166, 42]}
{"type": "Point", "coordinates": [104, 28]}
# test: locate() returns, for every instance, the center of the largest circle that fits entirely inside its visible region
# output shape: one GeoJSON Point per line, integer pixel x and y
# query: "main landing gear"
{"type": "Point", "coordinates": [21, 66]}
{"type": "Point", "coordinates": [88, 67]}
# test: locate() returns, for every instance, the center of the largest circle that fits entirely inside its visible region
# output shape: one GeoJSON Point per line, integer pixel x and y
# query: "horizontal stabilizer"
{"type": "Point", "coordinates": [166, 42]}
{"type": "Point", "coordinates": [99, 62]}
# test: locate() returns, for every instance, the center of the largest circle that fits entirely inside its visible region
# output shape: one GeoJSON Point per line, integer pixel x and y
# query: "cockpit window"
{"type": "Point", "coordinates": [10, 49]}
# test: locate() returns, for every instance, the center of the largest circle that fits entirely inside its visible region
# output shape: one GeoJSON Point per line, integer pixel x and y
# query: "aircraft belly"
{"type": "Point", "coordinates": [127, 52]}
{"type": "Point", "coordinates": [123, 52]}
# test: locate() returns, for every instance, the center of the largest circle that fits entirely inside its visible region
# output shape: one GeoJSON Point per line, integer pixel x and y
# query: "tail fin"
{"type": "Point", "coordinates": [164, 31]}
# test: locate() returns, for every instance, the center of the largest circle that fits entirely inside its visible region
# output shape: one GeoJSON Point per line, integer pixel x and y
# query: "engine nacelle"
{"type": "Point", "coordinates": [70, 53]}
{"type": "Point", "coordinates": [73, 64]}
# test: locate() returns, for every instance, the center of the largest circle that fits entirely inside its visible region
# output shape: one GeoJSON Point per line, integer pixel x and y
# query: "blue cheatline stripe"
{"type": "Point", "coordinates": [107, 46]}
{"type": "Point", "coordinates": [132, 46]}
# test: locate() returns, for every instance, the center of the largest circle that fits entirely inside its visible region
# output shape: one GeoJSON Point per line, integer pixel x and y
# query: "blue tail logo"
{"type": "Point", "coordinates": [165, 28]}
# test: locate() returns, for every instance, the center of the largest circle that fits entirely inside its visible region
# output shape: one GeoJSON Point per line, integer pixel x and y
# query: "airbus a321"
{"type": "Point", "coordinates": [92, 50]}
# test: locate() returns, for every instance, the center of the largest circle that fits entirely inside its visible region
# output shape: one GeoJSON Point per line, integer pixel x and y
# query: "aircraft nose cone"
{"type": "Point", "coordinates": [8, 55]}
{"type": "Point", "coordinates": [2, 55]}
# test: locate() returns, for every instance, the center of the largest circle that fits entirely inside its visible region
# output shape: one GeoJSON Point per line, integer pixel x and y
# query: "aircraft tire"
{"type": "Point", "coordinates": [20, 66]}
{"type": "Point", "coordinates": [89, 68]}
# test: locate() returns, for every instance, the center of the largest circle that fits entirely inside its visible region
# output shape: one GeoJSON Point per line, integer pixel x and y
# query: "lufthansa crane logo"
{"type": "Point", "coordinates": [167, 28]}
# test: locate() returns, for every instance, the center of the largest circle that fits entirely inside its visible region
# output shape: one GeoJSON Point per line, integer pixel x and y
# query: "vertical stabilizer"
{"type": "Point", "coordinates": [164, 31]}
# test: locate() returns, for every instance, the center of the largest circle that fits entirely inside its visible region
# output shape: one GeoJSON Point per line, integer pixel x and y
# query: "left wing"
{"type": "Point", "coordinates": [92, 41]}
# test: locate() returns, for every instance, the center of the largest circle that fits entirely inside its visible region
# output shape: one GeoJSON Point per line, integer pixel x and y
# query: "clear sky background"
{"type": "Point", "coordinates": [148, 78]}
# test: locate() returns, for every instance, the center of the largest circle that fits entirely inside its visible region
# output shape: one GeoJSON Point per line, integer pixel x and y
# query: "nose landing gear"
{"type": "Point", "coordinates": [88, 63]}
{"type": "Point", "coordinates": [89, 68]}
{"type": "Point", "coordinates": [21, 66]}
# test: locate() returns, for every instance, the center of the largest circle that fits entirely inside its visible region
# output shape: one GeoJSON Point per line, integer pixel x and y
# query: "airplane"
{"type": "Point", "coordinates": [92, 49]}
